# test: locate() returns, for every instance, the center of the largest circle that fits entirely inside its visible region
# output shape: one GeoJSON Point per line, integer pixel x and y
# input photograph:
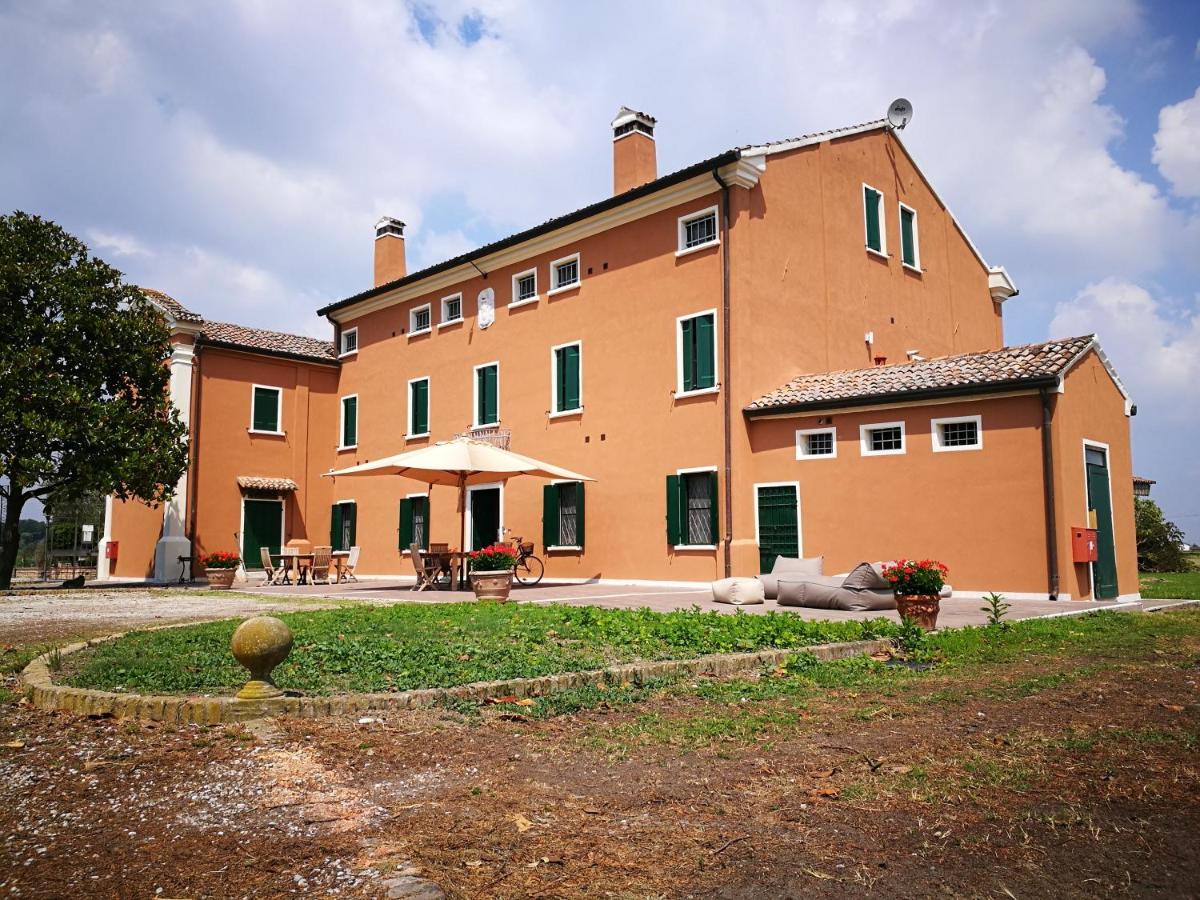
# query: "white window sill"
{"type": "Point", "coordinates": [882, 254]}
{"type": "Point", "coordinates": [816, 456]}
{"type": "Point", "coordinates": [449, 323]}
{"type": "Point", "coordinates": [413, 334]}
{"type": "Point", "coordinates": [413, 437]}
{"type": "Point", "coordinates": [562, 290]}
{"type": "Point", "coordinates": [271, 433]}
{"type": "Point", "coordinates": [561, 414]}
{"type": "Point", "coordinates": [917, 268]}
{"type": "Point", "coordinates": [495, 424]}
{"type": "Point", "coordinates": [716, 388]}
{"type": "Point", "coordinates": [528, 301]}
{"type": "Point", "coordinates": [937, 449]}
{"type": "Point", "coordinates": [883, 452]}
{"type": "Point", "coordinates": [695, 546]}
{"type": "Point", "coordinates": [566, 548]}
{"type": "Point", "coordinates": [347, 353]}
{"type": "Point", "coordinates": [689, 250]}
{"type": "Point", "coordinates": [347, 447]}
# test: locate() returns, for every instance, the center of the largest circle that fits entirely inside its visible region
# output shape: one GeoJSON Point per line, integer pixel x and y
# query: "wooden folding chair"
{"type": "Point", "coordinates": [320, 565]}
{"type": "Point", "coordinates": [427, 568]}
{"type": "Point", "coordinates": [269, 572]}
{"type": "Point", "coordinates": [351, 564]}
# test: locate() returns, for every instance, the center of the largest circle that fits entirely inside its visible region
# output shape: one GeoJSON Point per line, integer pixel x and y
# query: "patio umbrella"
{"type": "Point", "coordinates": [460, 462]}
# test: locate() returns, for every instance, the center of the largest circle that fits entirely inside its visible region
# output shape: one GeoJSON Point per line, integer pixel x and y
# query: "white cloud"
{"type": "Point", "coordinates": [114, 243]}
{"type": "Point", "coordinates": [1177, 145]}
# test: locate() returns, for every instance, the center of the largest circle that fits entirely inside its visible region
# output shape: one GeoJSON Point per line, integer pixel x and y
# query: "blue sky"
{"type": "Point", "coordinates": [236, 155]}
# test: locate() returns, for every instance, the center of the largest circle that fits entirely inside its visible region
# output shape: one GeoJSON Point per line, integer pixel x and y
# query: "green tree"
{"type": "Point", "coordinates": [1158, 541]}
{"type": "Point", "coordinates": [84, 402]}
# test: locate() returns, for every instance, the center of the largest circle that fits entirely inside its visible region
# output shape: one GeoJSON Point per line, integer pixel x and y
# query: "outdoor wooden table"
{"type": "Point", "coordinates": [449, 561]}
{"type": "Point", "coordinates": [297, 564]}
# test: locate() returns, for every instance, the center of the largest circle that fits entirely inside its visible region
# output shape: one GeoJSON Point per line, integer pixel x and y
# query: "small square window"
{"type": "Point", "coordinates": [883, 439]}
{"type": "Point", "coordinates": [820, 443]}
{"type": "Point", "coordinates": [698, 230]}
{"type": "Point", "coordinates": [419, 320]}
{"type": "Point", "coordinates": [524, 288]}
{"type": "Point", "coordinates": [451, 309]}
{"type": "Point", "coordinates": [965, 433]}
{"type": "Point", "coordinates": [349, 341]}
{"type": "Point", "coordinates": [564, 273]}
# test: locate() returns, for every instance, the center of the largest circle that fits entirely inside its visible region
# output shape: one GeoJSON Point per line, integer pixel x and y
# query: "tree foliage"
{"type": "Point", "coordinates": [84, 400]}
{"type": "Point", "coordinates": [1158, 541]}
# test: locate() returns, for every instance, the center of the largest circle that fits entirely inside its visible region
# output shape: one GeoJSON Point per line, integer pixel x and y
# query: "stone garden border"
{"type": "Point", "coordinates": [45, 694]}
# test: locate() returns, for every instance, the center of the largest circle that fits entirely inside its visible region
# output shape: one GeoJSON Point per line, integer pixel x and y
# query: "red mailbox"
{"type": "Point", "coordinates": [1083, 545]}
{"type": "Point", "coordinates": [110, 550]}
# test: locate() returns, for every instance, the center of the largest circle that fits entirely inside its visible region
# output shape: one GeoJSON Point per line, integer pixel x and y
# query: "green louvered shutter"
{"type": "Point", "coordinates": [871, 210]}
{"type": "Point", "coordinates": [712, 489]}
{"type": "Point", "coordinates": [419, 398]}
{"type": "Point", "coordinates": [488, 399]}
{"type": "Point", "coordinates": [687, 329]}
{"type": "Point", "coordinates": [335, 527]}
{"type": "Point", "coordinates": [349, 421]}
{"type": "Point", "coordinates": [550, 515]}
{"type": "Point", "coordinates": [674, 520]}
{"type": "Point", "coordinates": [908, 237]}
{"type": "Point", "coordinates": [266, 409]}
{"type": "Point", "coordinates": [706, 352]}
{"type": "Point", "coordinates": [566, 388]}
{"type": "Point", "coordinates": [406, 523]}
{"type": "Point", "coordinates": [579, 516]}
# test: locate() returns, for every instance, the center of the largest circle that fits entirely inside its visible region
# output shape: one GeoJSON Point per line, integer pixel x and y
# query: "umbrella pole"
{"type": "Point", "coordinates": [462, 515]}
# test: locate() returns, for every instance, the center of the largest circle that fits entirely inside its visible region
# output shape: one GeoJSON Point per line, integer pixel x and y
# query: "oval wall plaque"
{"type": "Point", "coordinates": [487, 307]}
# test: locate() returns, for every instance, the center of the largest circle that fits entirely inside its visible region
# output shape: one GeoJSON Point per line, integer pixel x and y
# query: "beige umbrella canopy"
{"type": "Point", "coordinates": [460, 462]}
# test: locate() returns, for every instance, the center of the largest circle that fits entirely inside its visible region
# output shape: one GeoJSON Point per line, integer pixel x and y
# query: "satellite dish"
{"type": "Point", "coordinates": [899, 113]}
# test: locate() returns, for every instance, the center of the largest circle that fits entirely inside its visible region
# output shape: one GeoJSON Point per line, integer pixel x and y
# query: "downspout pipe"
{"type": "Point", "coordinates": [727, 543]}
{"type": "Point", "coordinates": [1048, 487]}
{"type": "Point", "coordinates": [194, 454]}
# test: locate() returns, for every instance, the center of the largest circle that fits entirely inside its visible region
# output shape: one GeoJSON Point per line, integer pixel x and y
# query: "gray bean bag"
{"type": "Point", "coordinates": [738, 591]}
{"type": "Point", "coordinates": [787, 565]}
{"type": "Point", "coordinates": [822, 595]}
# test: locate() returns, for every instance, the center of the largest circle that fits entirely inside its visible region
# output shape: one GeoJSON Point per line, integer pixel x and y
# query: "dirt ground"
{"type": "Point", "coordinates": [1054, 776]}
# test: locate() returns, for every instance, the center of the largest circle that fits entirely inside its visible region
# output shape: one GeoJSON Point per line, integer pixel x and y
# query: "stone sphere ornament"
{"type": "Point", "coordinates": [260, 644]}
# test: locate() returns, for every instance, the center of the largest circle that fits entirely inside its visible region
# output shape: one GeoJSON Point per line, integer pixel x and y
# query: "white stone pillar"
{"type": "Point", "coordinates": [102, 560]}
{"type": "Point", "coordinates": [174, 542]}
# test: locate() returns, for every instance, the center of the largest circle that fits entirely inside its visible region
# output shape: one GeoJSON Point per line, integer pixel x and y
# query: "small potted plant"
{"type": "Point", "coordinates": [491, 571]}
{"type": "Point", "coordinates": [219, 568]}
{"type": "Point", "coordinates": [918, 584]}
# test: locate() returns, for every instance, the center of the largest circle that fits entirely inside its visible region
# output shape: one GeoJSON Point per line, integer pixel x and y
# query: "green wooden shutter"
{"type": "Point", "coordinates": [908, 237]}
{"type": "Point", "coordinates": [419, 400]}
{"type": "Point", "coordinates": [335, 527]}
{"type": "Point", "coordinates": [349, 421]}
{"type": "Point", "coordinates": [674, 520]}
{"type": "Point", "coordinates": [406, 523]}
{"type": "Point", "coordinates": [871, 209]}
{"type": "Point", "coordinates": [550, 515]}
{"type": "Point", "coordinates": [687, 329]}
{"type": "Point", "coordinates": [706, 352]}
{"type": "Point", "coordinates": [579, 517]}
{"type": "Point", "coordinates": [266, 409]}
{"type": "Point", "coordinates": [486, 379]}
{"type": "Point", "coordinates": [712, 493]}
{"type": "Point", "coordinates": [572, 377]}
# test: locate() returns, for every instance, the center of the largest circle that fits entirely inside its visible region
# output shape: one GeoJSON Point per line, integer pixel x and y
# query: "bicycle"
{"type": "Point", "coordinates": [528, 568]}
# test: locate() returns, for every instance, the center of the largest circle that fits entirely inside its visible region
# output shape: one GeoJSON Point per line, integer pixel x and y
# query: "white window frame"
{"type": "Point", "coordinates": [470, 525]}
{"type": "Point", "coordinates": [554, 267]}
{"type": "Point", "coordinates": [475, 423]}
{"type": "Point", "coordinates": [935, 430]}
{"type": "Point", "coordinates": [693, 471]}
{"type": "Point", "coordinates": [801, 453]}
{"type": "Point", "coordinates": [916, 264]}
{"type": "Point", "coordinates": [555, 412]}
{"type": "Point", "coordinates": [684, 221]}
{"type": "Point", "coordinates": [442, 320]}
{"type": "Point", "coordinates": [254, 388]}
{"type": "Point", "coordinates": [342, 422]}
{"type": "Point", "coordinates": [513, 301]}
{"type": "Point", "coordinates": [570, 548]}
{"type": "Point", "coordinates": [883, 242]}
{"type": "Point", "coordinates": [342, 351]}
{"type": "Point", "coordinates": [407, 552]}
{"type": "Point", "coordinates": [413, 330]}
{"type": "Point", "coordinates": [409, 433]}
{"type": "Point", "coordinates": [799, 519]}
{"type": "Point", "coordinates": [864, 439]}
{"type": "Point", "coordinates": [716, 388]}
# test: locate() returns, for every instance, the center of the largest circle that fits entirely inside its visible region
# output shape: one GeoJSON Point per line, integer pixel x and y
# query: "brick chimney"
{"type": "Point", "coordinates": [389, 250]}
{"type": "Point", "coordinates": [634, 162]}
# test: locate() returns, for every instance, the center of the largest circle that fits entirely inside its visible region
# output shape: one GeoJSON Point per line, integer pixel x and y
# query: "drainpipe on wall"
{"type": "Point", "coordinates": [1048, 487]}
{"type": "Point", "coordinates": [194, 455]}
{"type": "Point", "coordinates": [725, 365]}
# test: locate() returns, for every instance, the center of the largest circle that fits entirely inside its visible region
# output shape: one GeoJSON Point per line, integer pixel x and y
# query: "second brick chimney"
{"type": "Point", "coordinates": [389, 250]}
{"type": "Point", "coordinates": [634, 162]}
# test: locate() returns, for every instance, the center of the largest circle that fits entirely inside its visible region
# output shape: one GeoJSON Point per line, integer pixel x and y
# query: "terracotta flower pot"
{"type": "Point", "coordinates": [492, 585]}
{"type": "Point", "coordinates": [921, 608]}
{"type": "Point", "coordinates": [221, 579]}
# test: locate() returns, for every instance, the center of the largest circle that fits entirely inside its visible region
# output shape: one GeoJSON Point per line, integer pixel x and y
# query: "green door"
{"type": "Point", "coordinates": [262, 526]}
{"type": "Point", "coordinates": [1104, 569]}
{"type": "Point", "coordinates": [778, 524]}
{"type": "Point", "coordinates": [485, 517]}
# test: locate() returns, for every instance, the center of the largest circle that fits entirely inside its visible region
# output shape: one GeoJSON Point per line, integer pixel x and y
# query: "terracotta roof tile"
{"type": "Point", "coordinates": [173, 307]}
{"type": "Point", "coordinates": [266, 483]}
{"type": "Point", "coordinates": [1005, 367]}
{"type": "Point", "coordinates": [231, 335]}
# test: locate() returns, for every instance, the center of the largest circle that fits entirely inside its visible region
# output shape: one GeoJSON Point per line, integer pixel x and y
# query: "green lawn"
{"type": "Point", "coordinates": [1171, 585]}
{"type": "Point", "coordinates": [402, 647]}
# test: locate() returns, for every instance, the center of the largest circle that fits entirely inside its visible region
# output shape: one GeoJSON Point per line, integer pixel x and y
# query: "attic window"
{"type": "Point", "coordinates": [632, 126]}
{"type": "Point", "coordinates": [349, 341]}
{"type": "Point", "coordinates": [698, 230]}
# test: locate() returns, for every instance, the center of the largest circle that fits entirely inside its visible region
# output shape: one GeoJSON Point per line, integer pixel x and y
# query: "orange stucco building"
{"type": "Point", "coordinates": [791, 349]}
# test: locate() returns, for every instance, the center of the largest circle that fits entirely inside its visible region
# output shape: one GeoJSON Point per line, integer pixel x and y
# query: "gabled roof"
{"type": "Point", "coordinates": [240, 337]}
{"type": "Point", "coordinates": [988, 371]}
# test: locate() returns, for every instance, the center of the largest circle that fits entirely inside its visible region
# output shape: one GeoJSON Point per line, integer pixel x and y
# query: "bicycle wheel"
{"type": "Point", "coordinates": [528, 570]}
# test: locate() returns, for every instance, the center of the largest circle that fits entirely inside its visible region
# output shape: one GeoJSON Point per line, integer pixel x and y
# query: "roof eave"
{"type": "Point", "coordinates": [205, 341]}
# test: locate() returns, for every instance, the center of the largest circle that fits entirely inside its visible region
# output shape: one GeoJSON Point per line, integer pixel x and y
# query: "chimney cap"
{"type": "Point", "coordinates": [389, 226]}
{"type": "Point", "coordinates": [629, 120]}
